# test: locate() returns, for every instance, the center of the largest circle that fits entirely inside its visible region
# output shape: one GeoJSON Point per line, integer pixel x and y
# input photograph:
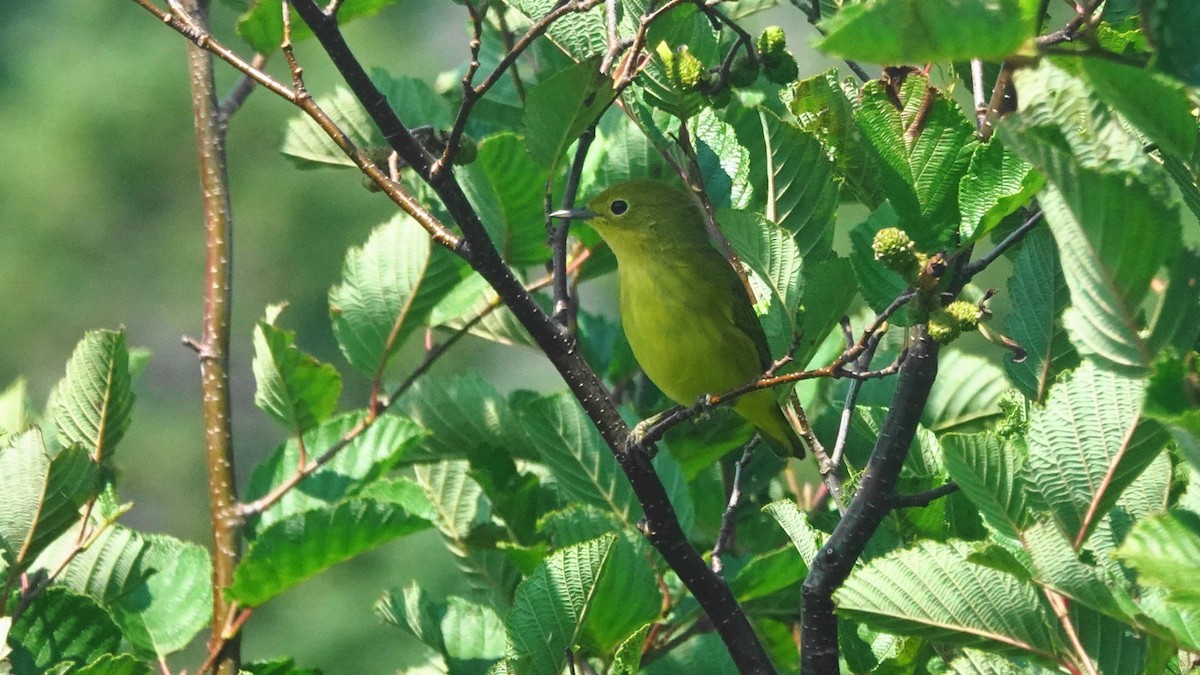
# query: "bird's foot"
{"type": "Point", "coordinates": [636, 441]}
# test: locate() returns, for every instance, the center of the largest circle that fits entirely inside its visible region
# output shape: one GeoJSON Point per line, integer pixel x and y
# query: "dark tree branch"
{"type": "Point", "coordinates": [872, 501]}
{"type": "Point", "coordinates": [923, 499]}
{"type": "Point", "coordinates": [661, 526]}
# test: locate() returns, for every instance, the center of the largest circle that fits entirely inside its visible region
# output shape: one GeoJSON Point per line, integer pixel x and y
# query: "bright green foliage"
{"type": "Point", "coordinates": [60, 626]}
{"type": "Point", "coordinates": [552, 605]}
{"type": "Point", "coordinates": [469, 636]}
{"type": "Point", "coordinates": [293, 387]}
{"type": "Point", "coordinates": [300, 546]}
{"type": "Point", "coordinates": [900, 593]}
{"type": "Point", "coordinates": [389, 286]}
{"type": "Point", "coordinates": [911, 31]}
{"type": "Point", "coordinates": [1075, 467]}
{"type": "Point", "coordinates": [1037, 287]}
{"type": "Point", "coordinates": [44, 503]}
{"type": "Point", "coordinates": [365, 459]}
{"type": "Point", "coordinates": [93, 402]}
{"type": "Point", "coordinates": [262, 23]}
{"type": "Point", "coordinates": [561, 107]}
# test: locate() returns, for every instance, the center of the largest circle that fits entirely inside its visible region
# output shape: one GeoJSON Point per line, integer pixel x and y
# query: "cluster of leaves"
{"type": "Point", "coordinates": [1076, 526]}
{"type": "Point", "coordinates": [83, 594]}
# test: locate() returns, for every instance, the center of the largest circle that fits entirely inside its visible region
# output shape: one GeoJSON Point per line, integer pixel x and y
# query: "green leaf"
{"type": "Point", "coordinates": [829, 288]}
{"type": "Point", "coordinates": [293, 387]}
{"type": "Point", "coordinates": [15, 410]}
{"type": "Point", "coordinates": [60, 626]}
{"type": "Point", "coordinates": [1087, 444]}
{"type": "Point", "coordinates": [996, 184]}
{"type": "Point", "coordinates": [793, 179]}
{"type": "Point", "coordinates": [627, 597]}
{"type": "Point", "coordinates": [466, 417]}
{"type": "Point", "coordinates": [1059, 567]}
{"type": "Point", "coordinates": [472, 297]}
{"type": "Point", "coordinates": [1171, 23]}
{"type": "Point", "coordinates": [469, 636]}
{"type": "Point", "coordinates": [462, 510]}
{"type": "Point", "coordinates": [772, 254]}
{"type": "Point", "coordinates": [924, 144]}
{"type": "Point", "coordinates": [1039, 296]}
{"type": "Point", "coordinates": [41, 496]}
{"type": "Point", "coordinates": [579, 34]}
{"type": "Point", "coordinates": [551, 606]}
{"type": "Point", "coordinates": [724, 163]}
{"type": "Point", "coordinates": [804, 536]}
{"type": "Point", "coordinates": [300, 546]}
{"type": "Point", "coordinates": [581, 463]}
{"type": "Point", "coordinates": [171, 601]}
{"type": "Point", "coordinates": [1108, 206]}
{"type": "Point", "coordinates": [158, 589]}
{"type": "Point", "coordinates": [262, 24]}
{"type": "Point", "coordinates": [628, 659]}
{"type": "Point", "coordinates": [457, 498]}
{"type": "Point", "coordinates": [560, 107]}
{"type": "Point", "coordinates": [414, 101]}
{"type": "Point", "coordinates": [620, 152]}
{"type": "Point", "coordinates": [907, 593]}
{"type": "Point", "coordinates": [966, 394]}
{"type": "Point", "coordinates": [360, 462]}
{"type": "Point", "coordinates": [909, 31]}
{"type": "Point", "coordinates": [1159, 106]}
{"type": "Point", "coordinates": [1176, 321]}
{"type": "Point", "coordinates": [1113, 647]}
{"type": "Point", "coordinates": [822, 106]}
{"type": "Point", "coordinates": [114, 664]}
{"type": "Point", "coordinates": [989, 472]}
{"type": "Point", "coordinates": [92, 403]}
{"type": "Point", "coordinates": [1165, 551]}
{"type": "Point", "coordinates": [506, 187]}
{"type": "Point", "coordinates": [768, 573]}
{"type": "Point", "coordinates": [309, 147]}
{"type": "Point", "coordinates": [388, 288]}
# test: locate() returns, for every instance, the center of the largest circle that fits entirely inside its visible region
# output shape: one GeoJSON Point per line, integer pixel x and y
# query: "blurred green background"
{"type": "Point", "coordinates": [100, 227]}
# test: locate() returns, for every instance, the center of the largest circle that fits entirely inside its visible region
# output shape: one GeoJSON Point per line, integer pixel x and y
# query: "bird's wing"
{"type": "Point", "coordinates": [746, 319]}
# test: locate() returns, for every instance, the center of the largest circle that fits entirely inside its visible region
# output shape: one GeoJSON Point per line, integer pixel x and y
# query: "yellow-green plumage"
{"type": "Point", "coordinates": [685, 311]}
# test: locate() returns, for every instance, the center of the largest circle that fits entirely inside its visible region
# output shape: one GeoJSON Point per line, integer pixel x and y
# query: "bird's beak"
{"type": "Point", "coordinates": [574, 214]}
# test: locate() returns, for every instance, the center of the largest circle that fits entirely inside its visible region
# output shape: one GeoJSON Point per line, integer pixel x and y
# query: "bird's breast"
{"type": "Point", "coordinates": [678, 318]}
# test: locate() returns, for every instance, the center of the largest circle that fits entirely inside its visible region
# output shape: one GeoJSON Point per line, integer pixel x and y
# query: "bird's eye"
{"type": "Point", "coordinates": [619, 207]}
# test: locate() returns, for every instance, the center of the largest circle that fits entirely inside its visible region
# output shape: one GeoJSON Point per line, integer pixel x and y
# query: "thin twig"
{"type": "Point", "coordinates": [1008, 242]}
{"type": "Point", "coordinates": [394, 190]}
{"type": "Point", "coordinates": [1071, 30]}
{"type": "Point", "coordinates": [468, 91]}
{"type": "Point", "coordinates": [725, 534]}
{"type": "Point", "coordinates": [981, 111]}
{"type": "Point", "coordinates": [240, 92]}
{"type": "Point", "coordinates": [561, 312]}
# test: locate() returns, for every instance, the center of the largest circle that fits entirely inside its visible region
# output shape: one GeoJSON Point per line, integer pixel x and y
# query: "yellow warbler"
{"type": "Point", "coordinates": [686, 313]}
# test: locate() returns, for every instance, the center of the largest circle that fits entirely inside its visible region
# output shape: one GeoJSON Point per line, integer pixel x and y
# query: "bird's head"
{"type": "Point", "coordinates": [641, 211]}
